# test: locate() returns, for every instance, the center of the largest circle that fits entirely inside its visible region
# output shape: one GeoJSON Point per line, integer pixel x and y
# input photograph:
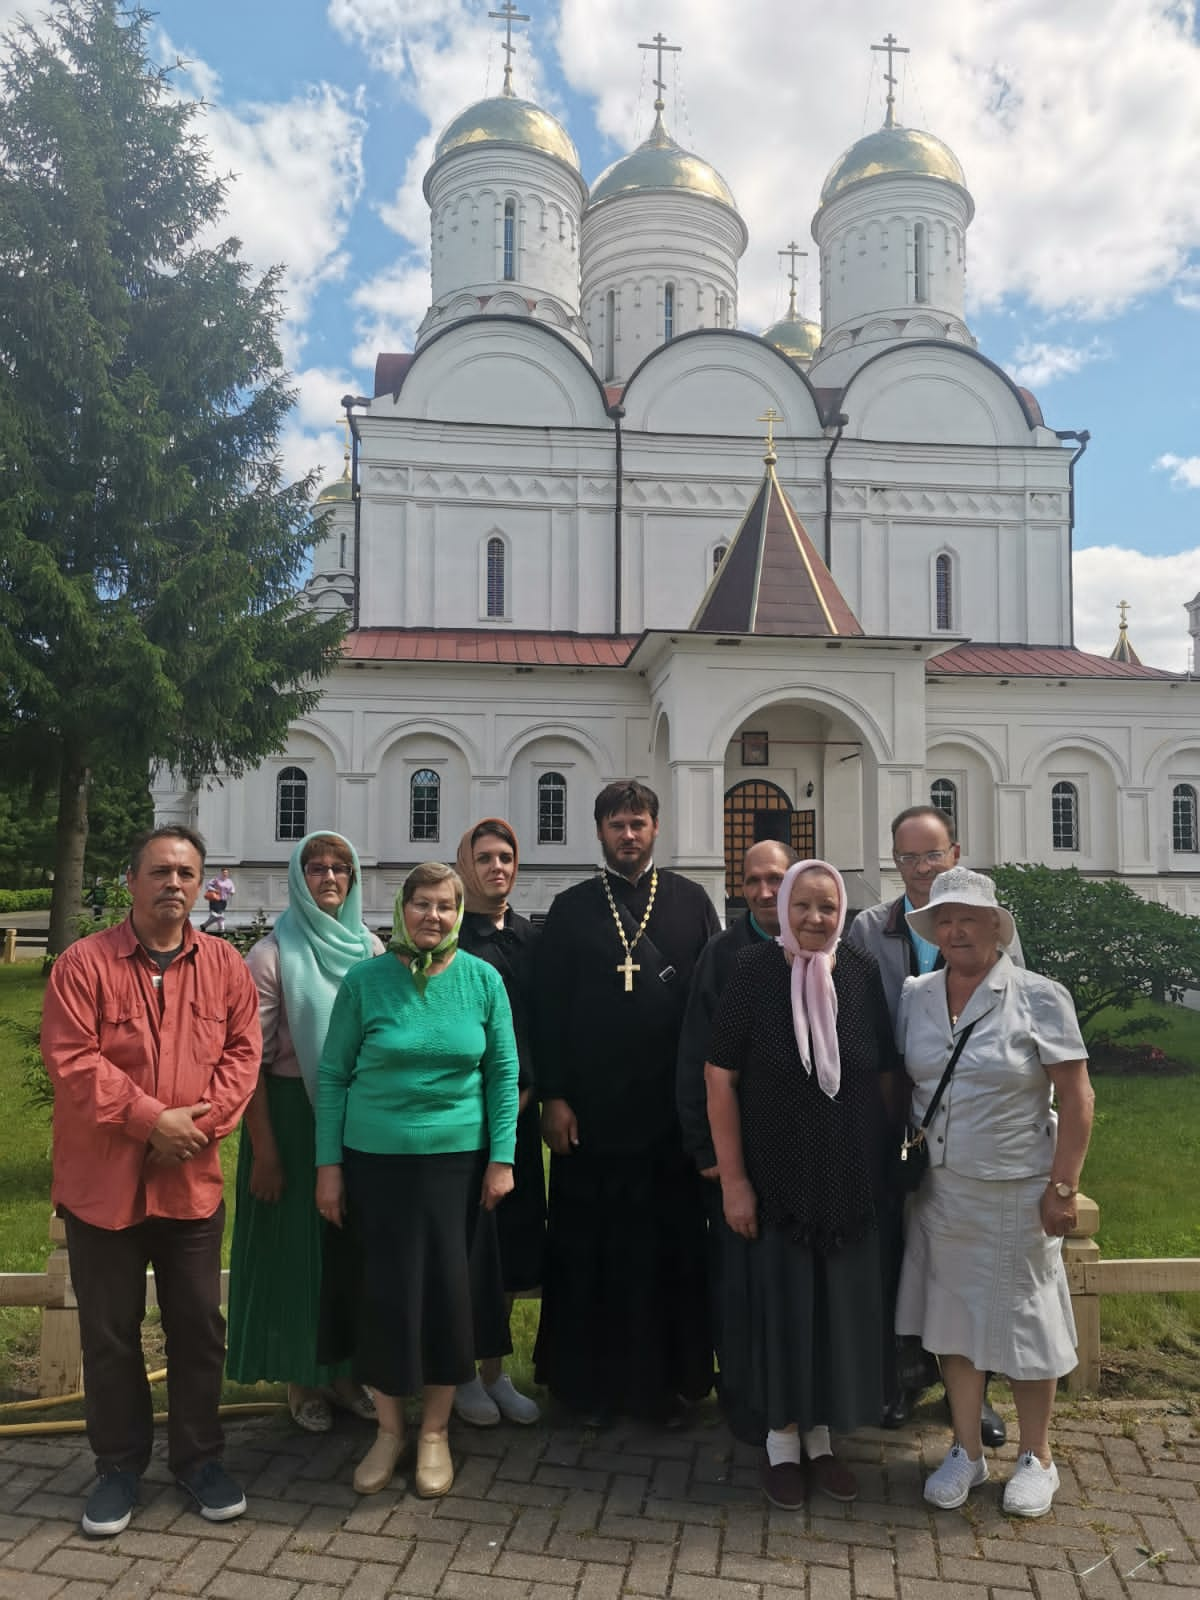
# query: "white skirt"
{"type": "Point", "coordinates": [980, 1279]}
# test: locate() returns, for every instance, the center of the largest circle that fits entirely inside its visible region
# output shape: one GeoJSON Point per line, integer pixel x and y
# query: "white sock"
{"type": "Point", "coordinates": [783, 1444]}
{"type": "Point", "coordinates": [816, 1442]}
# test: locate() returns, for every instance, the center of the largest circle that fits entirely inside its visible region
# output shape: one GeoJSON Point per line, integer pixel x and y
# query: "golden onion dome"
{"type": "Point", "coordinates": [506, 120]}
{"type": "Point", "coordinates": [661, 164]}
{"type": "Point", "coordinates": [339, 489]}
{"type": "Point", "coordinates": [894, 150]}
{"type": "Point", "coordinates": [795, 336]}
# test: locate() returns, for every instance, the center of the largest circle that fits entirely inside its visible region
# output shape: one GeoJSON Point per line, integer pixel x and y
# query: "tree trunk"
{"type": "Point", "coordinates": [70, 843]}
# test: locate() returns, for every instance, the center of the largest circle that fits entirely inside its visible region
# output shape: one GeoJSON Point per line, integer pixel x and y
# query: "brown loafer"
{"type": "Point", "coordinates": [785, 1485]}
{"type": "Point", "coordinates": [832, 1477]}
{"type": "Point", "coordinates": [374, 1471]}
{"type": "Point", "coordinates": [435, 1467]}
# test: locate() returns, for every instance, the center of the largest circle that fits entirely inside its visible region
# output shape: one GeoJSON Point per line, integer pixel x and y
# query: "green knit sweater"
{"type": "Point", "coordinates": [412, 1072]}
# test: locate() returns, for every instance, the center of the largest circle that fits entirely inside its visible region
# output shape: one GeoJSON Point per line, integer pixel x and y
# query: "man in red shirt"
{"type": "Point", "coordinates": [151, 1037]}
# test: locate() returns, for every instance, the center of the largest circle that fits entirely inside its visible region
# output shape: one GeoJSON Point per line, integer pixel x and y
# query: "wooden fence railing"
{"type": "Point", "coordinates": [1088, 1277]}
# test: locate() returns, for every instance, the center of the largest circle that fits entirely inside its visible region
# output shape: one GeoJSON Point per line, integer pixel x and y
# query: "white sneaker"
{"type": "Point", "coordinates": [953, 1481]}
{"type": "Point", "coordinates": [1031, 1489]}
{"type": "Point", "coordinates": [475, 1405]}
{"type": "Point", "coordinates": [512, 1405]}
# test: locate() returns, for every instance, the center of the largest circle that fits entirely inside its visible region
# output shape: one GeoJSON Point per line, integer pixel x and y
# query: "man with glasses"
{"type": "Point", "coordinates": [923, 846]}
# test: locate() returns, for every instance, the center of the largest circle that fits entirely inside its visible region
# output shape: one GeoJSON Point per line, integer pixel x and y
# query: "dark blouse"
{"type": "Point", "coordinates": [510, 949]}
{"type": "Point", "coordinates": [814, 1162]}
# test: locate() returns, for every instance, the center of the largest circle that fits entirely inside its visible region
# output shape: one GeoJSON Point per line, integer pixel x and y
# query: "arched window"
{"type": "Point", "coordinates": [944, 586]}
{"type": "Point", "coordinates": [552, 808]}
{"type": "Point", "coordinates": [342, 550]}
{"type": "Point", "coordinates": [920, 264]}
{"type": "Point", "coordinates": [510, 240]}
{"type": "Point", "coordinates": [425, 808]}
{"type": "Point", "coordinates": [1064, 816]}
{"type": "Point", "coordinates": [1185, 834]}
{"type": "Point", "coordinates": [943, 794]}
{"type": "Point", "coordinates": [718, 555]}
{"type": "Point", "coordinates": [668, 313]}
{"type": "Point", "coordinates": [495, 577]}
{"type": "Point", "coordinates": [610, 336]}
{"type": "Point", "coordinates": [722, 311]}
{"type": "Point", "coordinates": [291, 804]}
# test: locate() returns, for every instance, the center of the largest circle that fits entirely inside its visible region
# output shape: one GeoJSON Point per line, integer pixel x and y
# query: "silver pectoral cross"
{"type": "Point", "coordinates": [629, 966]}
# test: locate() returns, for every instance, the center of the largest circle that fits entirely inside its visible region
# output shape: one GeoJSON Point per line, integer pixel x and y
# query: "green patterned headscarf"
{"type": "Point", "coordinates": [417, 960]}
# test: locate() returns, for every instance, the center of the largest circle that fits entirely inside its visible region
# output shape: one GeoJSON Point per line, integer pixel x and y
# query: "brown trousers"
{"type": "Point", "coordinates": [108, 1270]}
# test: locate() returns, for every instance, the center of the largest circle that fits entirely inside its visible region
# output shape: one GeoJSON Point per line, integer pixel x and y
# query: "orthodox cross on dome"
{"type": "Point", "coordinates": [1123, 607]}
{"type": "Point", "coordinates": [660, 46]}
{"type": "Point", "coordinates": [892, 49]}
{"type": "Point", "coordinates": [1123, 650]}
{"type": "Point", "coordinates": [793, 253]}
{"type": "Point", "coordinates": [345, 422]}
{"type": "Point", "coordinates": [770, 416]}
{"type": "Point", "coordinates": [508, 14]}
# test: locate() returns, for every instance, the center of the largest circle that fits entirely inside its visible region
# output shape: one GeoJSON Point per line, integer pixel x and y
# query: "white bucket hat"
{"type": "Point", "coordinates": [961, 887]}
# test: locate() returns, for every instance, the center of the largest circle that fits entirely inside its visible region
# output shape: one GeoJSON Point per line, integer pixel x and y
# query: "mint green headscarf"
{"type": "Point", "coordinates": [419, 961]}
{"type": "Point", "coordinates": [316, 951]}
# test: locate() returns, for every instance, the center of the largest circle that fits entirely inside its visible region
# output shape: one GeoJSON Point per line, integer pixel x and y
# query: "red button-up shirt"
{"type": "Point", "coordinates": [118, 1059]}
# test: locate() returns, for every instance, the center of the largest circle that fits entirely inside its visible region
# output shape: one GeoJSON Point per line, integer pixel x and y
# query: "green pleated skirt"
{"type": "Point", "coordinates": [275, 1260]}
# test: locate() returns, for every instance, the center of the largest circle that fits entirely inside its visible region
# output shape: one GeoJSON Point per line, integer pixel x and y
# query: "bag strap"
{"type": "Point", "coordinates": [946, 1076]}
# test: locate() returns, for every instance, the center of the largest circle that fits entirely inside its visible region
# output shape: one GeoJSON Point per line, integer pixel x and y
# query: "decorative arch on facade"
{"type": "Point", "coordinates": [603, 760]}
{"type": "Point", "coordinates": [324, 735]}
{"type": "Point", "coordinates": [718, 381]}
{"type": "Point", "coordinates": [1174, 756]}
{"type": "Point", "coordinates": [1040, 760]}
{"type": "Point", "coordinates": [868, 376]}
{"type": "Point", "coordinates": [433, 727]}
{"type": "Point", "coordinates": [813, 697]}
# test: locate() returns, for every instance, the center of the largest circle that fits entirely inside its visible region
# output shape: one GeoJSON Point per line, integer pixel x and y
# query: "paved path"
{"type": "Point", "coordinates": [563, 1515]}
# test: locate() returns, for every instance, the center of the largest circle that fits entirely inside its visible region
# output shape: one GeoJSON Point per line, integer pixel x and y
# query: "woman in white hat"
{"type": "Point", "coordinates": [983, 1283]}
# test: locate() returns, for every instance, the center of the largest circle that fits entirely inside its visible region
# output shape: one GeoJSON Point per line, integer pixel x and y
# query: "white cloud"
{"type": "Point", "coordinates": [1156, 587]}
{"type": "Point", "coordinates": [295, 170]}
{"type": "Point", "coordinates": [1184, 470]}
{"type": "Point", "coordinates": [1078, 127]}
{"type": "Point", "coordinates": [1036, 364]}
{"type": "Point", "coordinates": [1187, 288]}
{"type": "Point", "coordinates": [313, 438]}
{"type": "Point", "coordinates": [391, 305]}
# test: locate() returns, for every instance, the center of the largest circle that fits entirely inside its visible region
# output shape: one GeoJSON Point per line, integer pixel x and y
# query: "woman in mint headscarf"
{"type": "Point", "coordinates": [416, 1129]}
{"type": "Point", "coordinates": [275, 1264]}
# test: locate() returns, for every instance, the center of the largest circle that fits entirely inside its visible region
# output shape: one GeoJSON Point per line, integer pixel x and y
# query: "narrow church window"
{"type": "Point", "coordinates": [723, 311]}
{"type": "Point", "coordinates": [495, 577]}
{"type": "Point", "coordinates": [1064, 816]}
{"type": "Point", "coordinates": [342, 551]}
{"type": "Point", "coordinates": [944, 578]}
{"type": "Point", "coordinates": [668, 313]}
{"type": "Point", "coordinates": [510, 240]}
{"type": "Point", "coordinates": [718, 556]}
{"type": "Point", "coordinates": [552, 808]}
{"type": "Point", "coordinates": [920, 293]}
{"type": "Point", "coordinates": [1185, 835]}
{"type": "Point", "coordinates": [291, 804]}
{"type": "Point", "coordinates": [610, 336]}
{"type": "Point", "coordinates": [425, 811]}
{"type": "Point", "coordinates": [943, 794]}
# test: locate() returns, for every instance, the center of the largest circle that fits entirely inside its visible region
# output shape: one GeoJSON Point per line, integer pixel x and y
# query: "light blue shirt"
{"type": "Point", "coordinates": [927, 953]}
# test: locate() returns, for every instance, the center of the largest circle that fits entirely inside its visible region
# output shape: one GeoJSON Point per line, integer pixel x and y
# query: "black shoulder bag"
{"type": "Point", "coordinates": [912, 1160]}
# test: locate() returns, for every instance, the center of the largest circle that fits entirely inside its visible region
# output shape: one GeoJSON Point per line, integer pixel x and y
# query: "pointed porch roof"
{"type": "Point", "coordinates": [771, 580]}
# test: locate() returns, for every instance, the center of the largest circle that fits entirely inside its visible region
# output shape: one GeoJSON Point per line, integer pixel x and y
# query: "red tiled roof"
{"type": "Point", "coordinates": [494, 646]}
{"type": "Point", "coordinates": [1034, 661]}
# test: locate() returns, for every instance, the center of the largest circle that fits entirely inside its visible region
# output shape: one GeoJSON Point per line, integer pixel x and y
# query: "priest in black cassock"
{"type": "Point", "coordinates": [625, 1319]}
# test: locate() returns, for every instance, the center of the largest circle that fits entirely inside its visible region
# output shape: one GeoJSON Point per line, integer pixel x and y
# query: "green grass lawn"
{"type": "Point", "coordinates": [1143, 1170]}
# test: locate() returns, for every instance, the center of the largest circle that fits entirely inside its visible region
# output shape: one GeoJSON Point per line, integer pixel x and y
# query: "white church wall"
{"type": "Point", "coordinates": [972, 768]}
{"type": "Point", "coordinates": [923, 392]}
{"type": "Point", "coordinates": [719, 384]}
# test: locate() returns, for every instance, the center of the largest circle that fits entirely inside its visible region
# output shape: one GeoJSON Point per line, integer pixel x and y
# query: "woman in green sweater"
{"type": "Point", "coordinates": [416, 1127]}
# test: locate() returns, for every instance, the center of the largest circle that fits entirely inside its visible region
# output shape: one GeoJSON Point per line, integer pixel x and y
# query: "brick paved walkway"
{"type": "Point", "coordinates": [560, 1515]}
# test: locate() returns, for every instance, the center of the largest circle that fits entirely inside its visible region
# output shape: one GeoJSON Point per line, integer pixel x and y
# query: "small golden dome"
{"type": "Point", "coordinates": [339, 489]}
{"type": "Point", "coordinates": [796, 337]}
{"type": "Point", "coordinates": [893, 150]}
{"type": "Point", "coordinates": [504, 119]}
{"type": "Point", "coordinates": [660, 164]}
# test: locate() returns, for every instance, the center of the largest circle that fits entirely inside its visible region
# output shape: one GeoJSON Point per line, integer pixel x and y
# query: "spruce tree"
{"type": "Point", "coordinates": [149, 548]}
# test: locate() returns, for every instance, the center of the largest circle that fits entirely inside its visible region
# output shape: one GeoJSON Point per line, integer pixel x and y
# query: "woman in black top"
{"type": "Point", "coordinates": [798, 1066]}
{"type": "Point", "coordinates": [492, 930]}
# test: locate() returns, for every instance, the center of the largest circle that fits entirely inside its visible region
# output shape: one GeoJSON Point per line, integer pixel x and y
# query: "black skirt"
{"type": "Point", "coordinates": [413, 1220]}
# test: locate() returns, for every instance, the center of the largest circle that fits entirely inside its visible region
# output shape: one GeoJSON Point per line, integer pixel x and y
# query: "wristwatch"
{"type": "Point", "coordinates": [1064, 1191]}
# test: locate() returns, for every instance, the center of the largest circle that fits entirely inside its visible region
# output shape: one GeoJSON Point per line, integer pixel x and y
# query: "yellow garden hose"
{"type": "Point", "coordinates": [251, 1408]}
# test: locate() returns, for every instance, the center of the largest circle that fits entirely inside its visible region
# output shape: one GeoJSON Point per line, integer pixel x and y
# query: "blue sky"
{"type": "Point", "coordinates": [1078, 128]}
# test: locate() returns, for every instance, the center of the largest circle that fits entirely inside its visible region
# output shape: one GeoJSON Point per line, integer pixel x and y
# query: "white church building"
{"type": "Point", "coordinates": [567, 555]}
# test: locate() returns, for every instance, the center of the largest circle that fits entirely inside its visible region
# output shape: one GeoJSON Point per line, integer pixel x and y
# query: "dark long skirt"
{"type": "Point", "coordinates": [625, 1319]}
{"type": "Point", "coordinates": [521, 1216]}
{"type": "Point", "coordinates": [802, 1331]}
{"type": "Point", "coordinates": [414, 1219]}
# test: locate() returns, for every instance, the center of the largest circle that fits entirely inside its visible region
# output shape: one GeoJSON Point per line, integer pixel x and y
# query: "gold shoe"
{"type": "Point", "coordinates": [374, 1471]}
{"type": "Point", "coordinates": [435, 1467]}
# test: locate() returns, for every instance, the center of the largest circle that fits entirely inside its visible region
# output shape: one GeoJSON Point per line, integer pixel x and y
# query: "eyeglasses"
{"type": "Point", "coordinates": [925, 858]}
{"type": "Point", "coordinates": [321, 869]}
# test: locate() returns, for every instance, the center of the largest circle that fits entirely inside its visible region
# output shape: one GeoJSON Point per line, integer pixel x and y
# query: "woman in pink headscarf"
{"type": "Point", "coordinates": [798, 1076]}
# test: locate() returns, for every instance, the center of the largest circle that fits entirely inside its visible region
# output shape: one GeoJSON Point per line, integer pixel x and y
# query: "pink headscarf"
{"type": "Point", "coordinates": [814, 999]}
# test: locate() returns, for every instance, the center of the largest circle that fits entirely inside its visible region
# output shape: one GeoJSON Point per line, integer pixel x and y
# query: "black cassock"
{"type": "Point", "coordinates": [625, 1321]}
